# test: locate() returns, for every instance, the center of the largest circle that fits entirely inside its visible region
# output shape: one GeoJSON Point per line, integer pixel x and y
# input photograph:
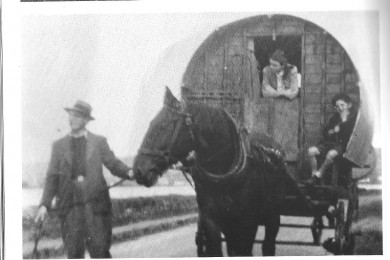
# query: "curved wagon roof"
{"type": "Point", "coordinates": [174, 66]}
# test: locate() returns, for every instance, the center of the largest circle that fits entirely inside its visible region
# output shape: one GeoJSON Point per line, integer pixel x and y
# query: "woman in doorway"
{"type": "Point", "coordinates": [280, 105]}
{"type": "Point", "coordinates": [280, 79]}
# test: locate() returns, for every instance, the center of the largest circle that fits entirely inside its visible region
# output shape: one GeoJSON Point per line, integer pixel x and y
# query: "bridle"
{"type": "Point", "coordinates": [186, 118]}
{"type": "Point", "coordinates": [166, 155]}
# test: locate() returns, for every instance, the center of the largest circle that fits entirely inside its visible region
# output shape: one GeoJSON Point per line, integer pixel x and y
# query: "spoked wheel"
{"type": "Point", "coordinates": [200, 241]}
{"type": "Point", "coordinates": [316, 229]}
{"type": "Point", "coordinates": [344, 242]}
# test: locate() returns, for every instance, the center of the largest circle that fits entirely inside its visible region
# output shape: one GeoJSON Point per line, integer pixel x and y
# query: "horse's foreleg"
{"type": "Point", "coordinates": [272, 225]}
{"type": "Point", "coordinates": [240, 239]}
{"type": "Point", "coordinates": [213, 241]}
{"type": "Point", "coordinates": [247, 240]}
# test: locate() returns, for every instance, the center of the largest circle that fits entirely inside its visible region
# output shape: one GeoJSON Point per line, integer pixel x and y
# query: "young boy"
{"type": "Point", "coordinates": [336, 137]}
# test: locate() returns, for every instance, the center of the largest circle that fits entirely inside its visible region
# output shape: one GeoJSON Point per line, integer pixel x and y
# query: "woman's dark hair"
{"type": "Point", "coordinates": [342, 96]}
{"type": "Point", "coordinates": [278, 55]}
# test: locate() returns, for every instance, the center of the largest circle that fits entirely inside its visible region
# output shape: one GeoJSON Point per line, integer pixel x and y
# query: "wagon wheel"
{"type": "Point", "coordinates": [344, 241]}
{"type": "Point", "coordinates": [200, 241]}
{"type": "Point", "coordinates": [316, 229]}
{"type": "Point", "coordinates": [355, 202]}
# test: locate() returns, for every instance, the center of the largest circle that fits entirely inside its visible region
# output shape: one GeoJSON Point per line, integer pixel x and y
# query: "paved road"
{"type": "Point", "coordinates": [181, 243]}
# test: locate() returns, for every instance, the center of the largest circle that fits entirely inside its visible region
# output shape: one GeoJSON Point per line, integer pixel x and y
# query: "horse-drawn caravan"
{"type": "Point", "coordinates": [251, 150]}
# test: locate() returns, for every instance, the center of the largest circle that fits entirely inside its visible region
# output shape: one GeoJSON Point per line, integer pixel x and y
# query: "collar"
{"type": "Point", "coordinates": [80, 134]}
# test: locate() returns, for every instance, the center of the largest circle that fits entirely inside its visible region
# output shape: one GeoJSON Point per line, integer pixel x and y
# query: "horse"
{"type": "Point", "coordinates": [239, 178]}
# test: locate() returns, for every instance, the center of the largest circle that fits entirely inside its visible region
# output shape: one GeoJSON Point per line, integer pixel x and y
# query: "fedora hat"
{"type": "Point", "coordinates": [82, 107]}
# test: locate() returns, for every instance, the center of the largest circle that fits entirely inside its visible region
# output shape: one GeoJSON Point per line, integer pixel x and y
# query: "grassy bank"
{"type": "Point", "coordinates": [124, 212]}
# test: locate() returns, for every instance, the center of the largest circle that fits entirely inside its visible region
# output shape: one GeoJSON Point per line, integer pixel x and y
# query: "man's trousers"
{"type": "Point", "coordinates": [82, 228]}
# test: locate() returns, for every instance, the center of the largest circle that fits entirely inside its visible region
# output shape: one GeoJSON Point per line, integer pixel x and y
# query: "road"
{"type": "Point", "coordinates": [181, 243]}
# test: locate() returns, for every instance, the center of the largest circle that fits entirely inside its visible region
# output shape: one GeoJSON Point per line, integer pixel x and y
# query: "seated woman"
{"type": "Point", "coordinates": [336, 137]}
{"type": "Point", "coordinates": [280, 79]}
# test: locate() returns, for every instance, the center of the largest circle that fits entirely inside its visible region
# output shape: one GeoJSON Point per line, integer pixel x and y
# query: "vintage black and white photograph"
{"type": "Point", "coordinates": [190, 134]}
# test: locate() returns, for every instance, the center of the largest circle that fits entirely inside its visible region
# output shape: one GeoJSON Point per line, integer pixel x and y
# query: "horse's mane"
{"type": "Point", "coordinates": [210, 118]}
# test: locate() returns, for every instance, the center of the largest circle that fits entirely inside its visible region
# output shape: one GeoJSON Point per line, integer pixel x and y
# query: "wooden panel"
{"type": "Point", "coordinates": [329, 108]}
{"type": "Point", "coordinates": [333, 88]}
{"type": "Point", "coordinates": [312, 118]}
{"type": "Point", "coordinates": [313, 98]}
{"type": "Point", "coordinates": [214, 69]}
{"type": "Point", "coordinates": [333, 58]}
{"type": "Point", "coordinates": [334, 68]}
{"type": "Point", "coordinates": [314, 59]}
{"type": "Point", "coordinates": [313, 78]}
{"type": "Point", "coordinates": [313, 138]}
{"type": "Point", "coordinates": [283, 125]}
{"type": "Point", "coordinates": [314, 38]}
{"type": "Point", "coordinates": [312, 108]}
{"type": "Point", "coordinates": [225, 99]}
{"type": "Point", "coordinates": [315, 48]}
{"type": "Point", "coordinates": [233, 65]}
{"type": "Point", "coordinates": [313, 127]}
{"type": "Point", "coordinates": [290, 29]}
{"type": "Point", "coordinates": [313, 88]}
{"type": "Point", "coordinates": [314, 68]}
{"type": "Point", "coordinates": [333, 48]}
{"type": "Point", "coordinates": [332, 78]}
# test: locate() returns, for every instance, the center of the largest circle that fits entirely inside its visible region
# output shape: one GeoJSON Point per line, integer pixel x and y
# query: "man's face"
{"type": "Point", "coordinates": [275, 65]}
{"type": "Point", "coordinates": [342, 106]}
{"type": "Point", "coordinates": [77, 121]}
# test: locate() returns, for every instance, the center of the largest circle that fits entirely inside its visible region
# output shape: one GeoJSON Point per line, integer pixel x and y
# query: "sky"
{"type": "Point", "coordinates": [120, 64]}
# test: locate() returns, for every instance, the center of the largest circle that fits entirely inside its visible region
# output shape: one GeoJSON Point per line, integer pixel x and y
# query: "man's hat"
{"type": "Point", "coordinates": [82, 107]}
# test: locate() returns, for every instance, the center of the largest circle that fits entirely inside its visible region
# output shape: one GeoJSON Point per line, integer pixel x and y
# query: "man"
{"type": "Point", "coordinates": [75, 177]}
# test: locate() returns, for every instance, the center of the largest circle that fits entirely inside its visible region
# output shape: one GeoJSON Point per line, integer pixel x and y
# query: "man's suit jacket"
{"type": "Point", "coordinates": [59, 177]}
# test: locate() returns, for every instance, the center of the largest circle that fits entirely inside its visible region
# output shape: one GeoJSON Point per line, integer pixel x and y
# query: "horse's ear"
{"type": "Point", "coordinates": [170, 100]}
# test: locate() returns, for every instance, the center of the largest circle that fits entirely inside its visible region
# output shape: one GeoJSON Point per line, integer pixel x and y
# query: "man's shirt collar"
{"type": "Point", "coordinates": [79, 134]}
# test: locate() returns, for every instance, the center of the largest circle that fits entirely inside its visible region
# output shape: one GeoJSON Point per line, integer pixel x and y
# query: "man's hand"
{"type": "Point", "coordinates": [337, 129]}
{"type": "Point", "coordinates": [42, 210]}
{"type": "Point", "coordinates": [344, 116]}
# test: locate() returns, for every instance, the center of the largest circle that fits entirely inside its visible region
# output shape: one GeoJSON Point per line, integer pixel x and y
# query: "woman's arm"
{"type": "Point", "coordinates": [267, 89]}
{"type": "Point", "coordinates": [292, 90]}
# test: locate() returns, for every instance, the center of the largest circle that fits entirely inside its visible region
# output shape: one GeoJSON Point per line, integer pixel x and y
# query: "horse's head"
{"type": "Point", "coordinates": [166, 142]}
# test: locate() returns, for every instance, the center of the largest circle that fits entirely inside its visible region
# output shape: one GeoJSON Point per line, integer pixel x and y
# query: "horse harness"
{"type": "Point", "coordinates": [187, 119]}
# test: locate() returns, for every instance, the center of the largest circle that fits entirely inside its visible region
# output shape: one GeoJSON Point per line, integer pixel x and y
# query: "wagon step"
{"type": "Point", "coordinates": [284, 242]}
{"type": "Point", "coordinates": [295, 243]}
{"type": "Point", "coordinates": [302, 226]}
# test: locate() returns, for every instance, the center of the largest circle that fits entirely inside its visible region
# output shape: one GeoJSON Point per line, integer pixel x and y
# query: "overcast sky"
{"type": "Point", "coordinates": [107, 60]}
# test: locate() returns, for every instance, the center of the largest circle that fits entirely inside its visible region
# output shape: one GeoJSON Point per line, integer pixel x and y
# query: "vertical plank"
{"type": "Point", "coordinates": [323, 83]}
{"type": "Point", "coordinates": [302, 107]}
{"type": "Point", "coordinates": [343, 71]}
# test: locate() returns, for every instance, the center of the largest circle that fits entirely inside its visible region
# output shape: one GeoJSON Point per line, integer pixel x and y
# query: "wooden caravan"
{"type": "Point", "coordinates": [226, 71]}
